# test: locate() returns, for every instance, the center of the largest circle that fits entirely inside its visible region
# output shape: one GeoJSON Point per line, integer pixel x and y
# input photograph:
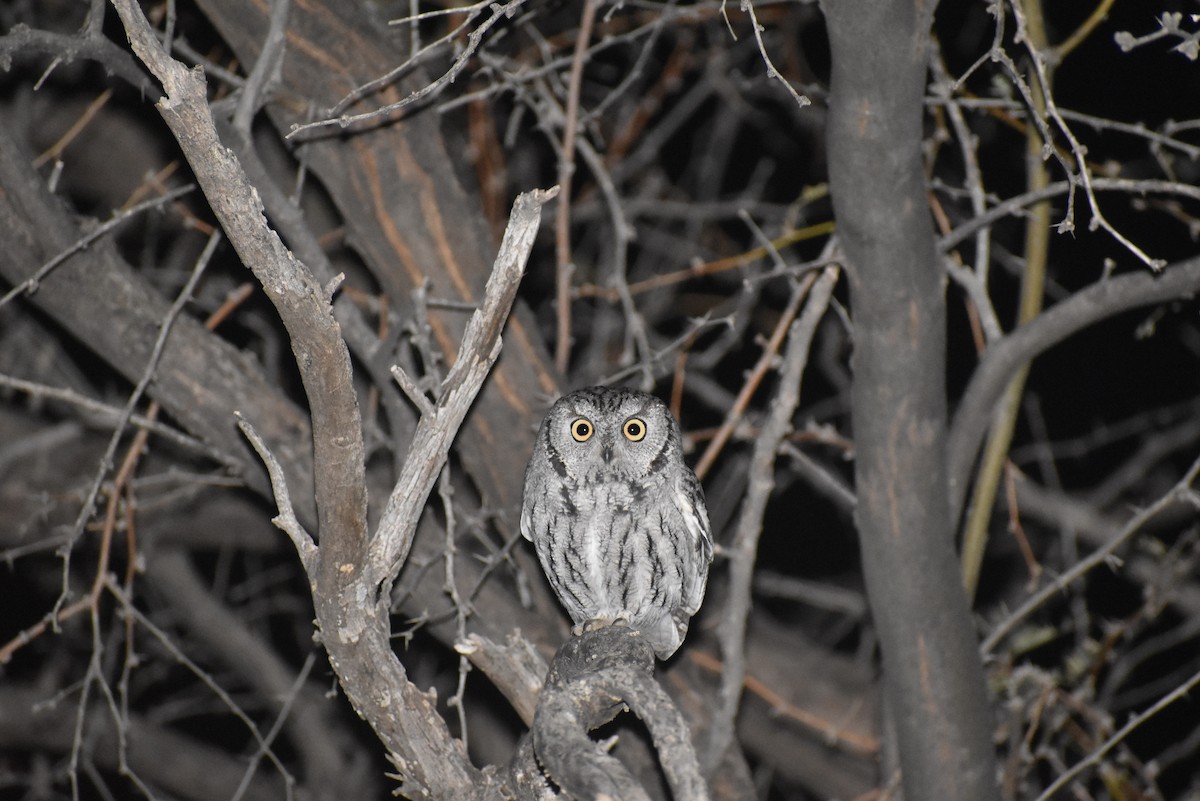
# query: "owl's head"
{"type": "Point", "coordinates": [602, 432]}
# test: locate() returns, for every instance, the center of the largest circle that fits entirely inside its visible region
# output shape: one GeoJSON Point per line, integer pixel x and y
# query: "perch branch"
{"type": "Point", "coordinates": [593, 676]}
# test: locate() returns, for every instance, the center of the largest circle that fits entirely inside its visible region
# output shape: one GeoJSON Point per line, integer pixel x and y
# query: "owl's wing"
{"type": "Point", "coordinates": [530, 487]}
{"type": "Point", "coordinates": [527, 508]}
{"type": "Point", "coordinates": [526, 523]}
{"type": "Point", "coordinates": [689, 499]}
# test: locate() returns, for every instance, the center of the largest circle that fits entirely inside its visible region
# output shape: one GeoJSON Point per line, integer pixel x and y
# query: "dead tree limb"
{"type": "Point", "coordinates": [352, 570]}
{"type": "Point", "coordinates": [592, 679]}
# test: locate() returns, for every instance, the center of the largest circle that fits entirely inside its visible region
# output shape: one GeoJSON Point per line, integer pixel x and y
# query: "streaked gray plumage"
{"type": "Point", "coordinates": [617, 517]}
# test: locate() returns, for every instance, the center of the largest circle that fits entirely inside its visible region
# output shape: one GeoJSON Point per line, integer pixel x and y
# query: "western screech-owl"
{"type": "Point", "coordinates": [617, 517]}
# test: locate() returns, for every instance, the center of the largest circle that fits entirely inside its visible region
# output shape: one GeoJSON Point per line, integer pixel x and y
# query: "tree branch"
{"type": "Point", "coordinates": [351, 611]}
{"type": "Point", "coordinates": [436, 430]}
{"type": "Point", "coordinates": [744, 548]}
{"type": "Point", "coordinates": [1098, 302]}
{"type": "Point", "coordinates": [592, 678]}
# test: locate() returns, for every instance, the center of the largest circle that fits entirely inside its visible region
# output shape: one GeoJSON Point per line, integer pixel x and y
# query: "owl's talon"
{"type": "Point", "coordinates": [597, 623]}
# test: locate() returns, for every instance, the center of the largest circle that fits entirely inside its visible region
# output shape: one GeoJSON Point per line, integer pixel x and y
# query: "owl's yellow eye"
{"type": "Point", "coordinates": [582, 429]}
{"type": "Point", "coordinates": [634, 429]}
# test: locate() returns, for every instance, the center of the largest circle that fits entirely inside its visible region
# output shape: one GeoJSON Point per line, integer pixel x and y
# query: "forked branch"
{"type": "Point", "coordinates": [350, 568]}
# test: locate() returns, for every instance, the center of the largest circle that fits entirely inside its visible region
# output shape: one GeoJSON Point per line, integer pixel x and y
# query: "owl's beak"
{"type": "Point", "coordinates": [606, 452]}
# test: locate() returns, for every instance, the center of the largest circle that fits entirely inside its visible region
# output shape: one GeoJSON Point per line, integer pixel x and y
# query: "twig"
{"type": "Point", "coordinates": [1182, 491]}
{"type": "Point", "coordinates": [732, 632]}
{"type": "Point", "coordinates": [566, 171]}
{"type": "Point", "coordinates": [772, 72]}
{"type": "Point", "coordinates": [761, 367]}
{"type": "Point", "coordinates": [1077, 150]}
{"type": "Point", "coordinates": [1015, 204]}
{"type": "Point", "coordinates": [412, 391]}
{"type": "Point", "coordinates": [499, 12]}
{"type": "Point", "coordinates": [31, 283]}
{"type": "Point", "coordinates": [1014, 524]}
{"type": "Point", "coordinates": [461, 606]}
{"type": "Point", "coordinates": [286, 520]}
{"type": "Point", "coordinates": [976, 282]}
{"type": "Point", "coordinates": [266, 70]}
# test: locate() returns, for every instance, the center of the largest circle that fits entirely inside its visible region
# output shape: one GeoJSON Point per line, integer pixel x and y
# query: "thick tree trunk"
{"type": "Point", "coordinates": [933, 679]}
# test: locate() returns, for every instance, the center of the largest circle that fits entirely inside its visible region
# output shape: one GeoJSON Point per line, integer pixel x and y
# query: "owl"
{"type": "Point", "coordinates": [616, 516]}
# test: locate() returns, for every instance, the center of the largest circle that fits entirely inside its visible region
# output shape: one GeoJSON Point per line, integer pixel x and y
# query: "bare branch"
{"type": "Point", "coordinates": [32, 283]}
{"type": "Point", "coordinates": [286, 520]}
{"type": "Point", "coordinates": [1099, 301]}
{"type": "Point", "coordinates": [592, 676]}
{"type": "Point", "coordinates": [743, 549]}
{"type": "Point", "coordinates": [355, 630]}
{"type": "Point", "coordinates": [435, 432]}
{"type": "Point", "coordinates": [1182, 491]}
